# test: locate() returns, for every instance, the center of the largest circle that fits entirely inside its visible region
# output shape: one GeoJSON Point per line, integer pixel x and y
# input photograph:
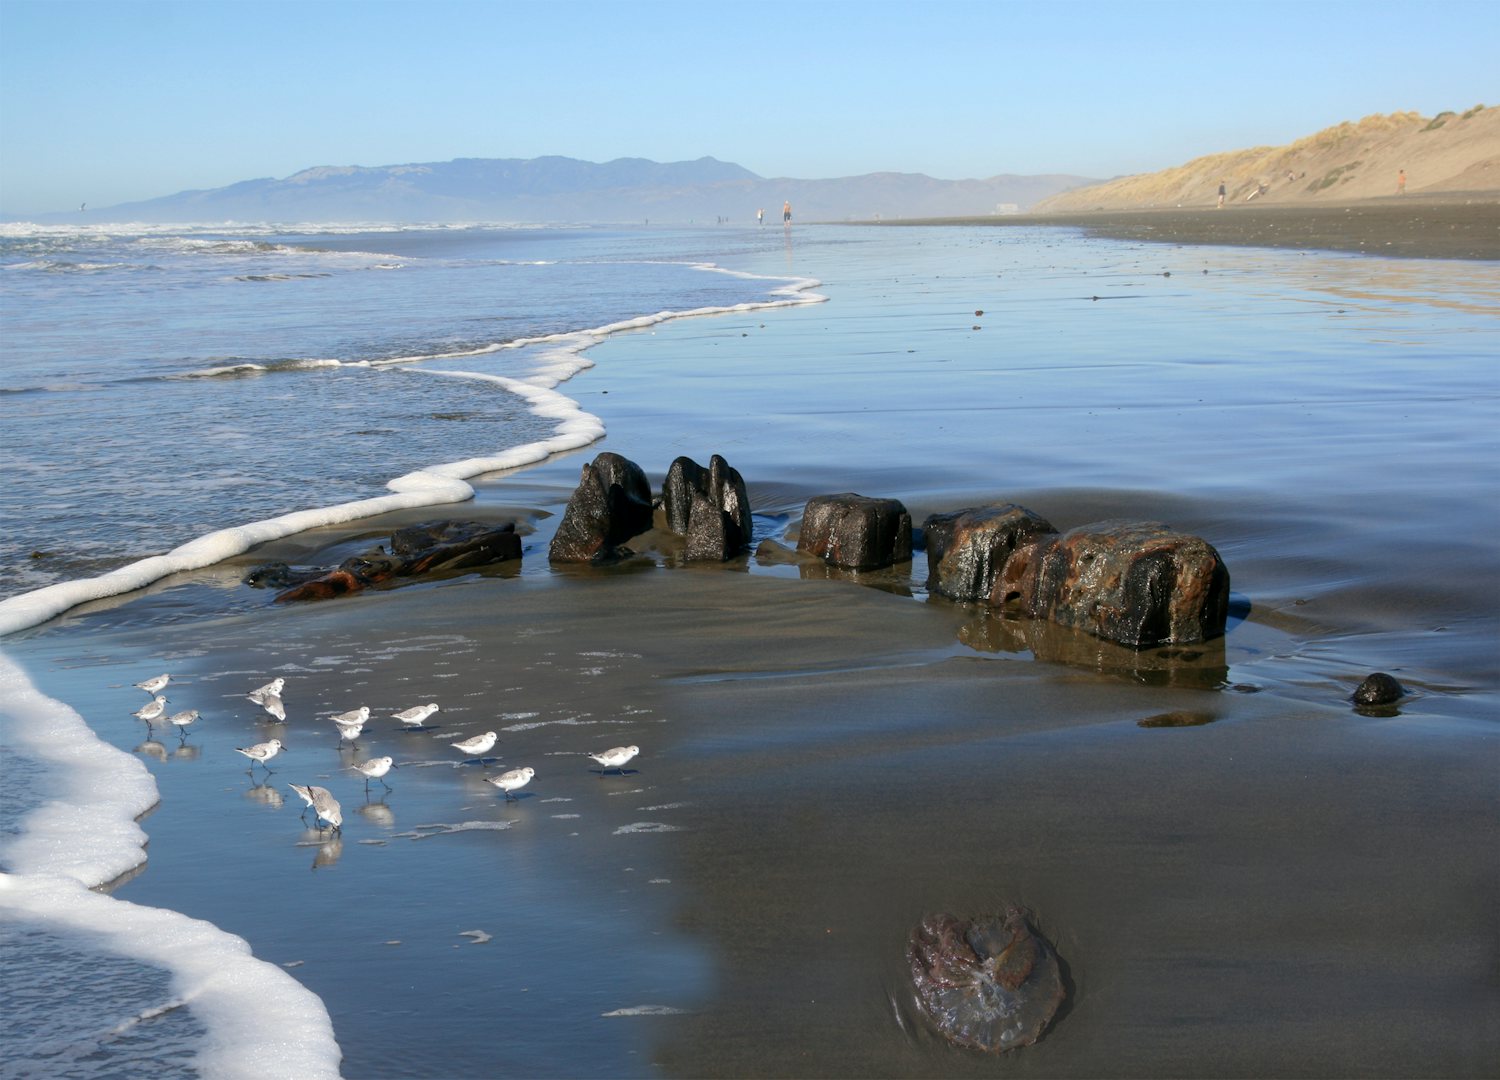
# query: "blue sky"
{"type": "Point", "coordinates": [109, 102]}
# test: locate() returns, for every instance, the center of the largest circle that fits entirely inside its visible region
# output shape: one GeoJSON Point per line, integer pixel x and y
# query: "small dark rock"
{"type": "Point", "coordinates": [1379, 689]}
{"type": "Point", "coordinates": [709, 506]}
{"type": "Point", "coordinates": [855, 532]}
{"type": "Point", "coordinates": [611, 504]}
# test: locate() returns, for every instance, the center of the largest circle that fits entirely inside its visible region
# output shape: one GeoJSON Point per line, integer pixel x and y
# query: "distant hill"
{"type": "Point", "coordinates": [1442, 155]}
{"type": "Point", "coordinates": [560, 189]}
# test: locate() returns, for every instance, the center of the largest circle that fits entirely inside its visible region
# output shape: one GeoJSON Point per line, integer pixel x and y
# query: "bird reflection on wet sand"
{"type": "Point", "coordinates": [157, 751]}
{"type": "Point", "coordinates": [328, 851]}
{"type": "Point", "coordinates": [378, 813]}
{"type": "Point", "coordinates": [265, 794]}
{"type": "Point", "coordinates": [152, 749]}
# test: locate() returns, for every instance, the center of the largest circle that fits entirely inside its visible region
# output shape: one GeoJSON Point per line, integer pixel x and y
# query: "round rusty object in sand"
{"type": "Point", "coordinates": [991, 983]}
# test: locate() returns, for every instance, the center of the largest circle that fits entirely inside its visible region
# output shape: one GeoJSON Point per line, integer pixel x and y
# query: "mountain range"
{"type": "Point", "coordinates": [561, 189]}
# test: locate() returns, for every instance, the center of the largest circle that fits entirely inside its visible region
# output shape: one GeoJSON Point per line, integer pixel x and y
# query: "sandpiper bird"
{"type": "Point", "coordinates": [348, 730]}
{"type": "Point", "coordinates": [182, 720]}
{"type": "Point", "coordinates": [416, 714]}
{"type": "Point", "coordinates": [478, 746]}
{"type": "Point", "coordinates": [616, 757]}
{"type": "Point", "coordinates": [510, 781]}
{"type": "Point", "coordinates": [262, 752]}
{"type": "Point", "coordinates": [152, 686]}
{"type": "Point", "coordinates": [272, 704]}
{"type": "Point", "coordinates": [152, 710]}
{"type": "Point", "coordinates": [353, 716]}
{"type": "Point", "coordinates": [375, 769]}
{"type": "Point", "coordinates": [323, 804]}
{"type": "Point", "coordinates": [271, 689]}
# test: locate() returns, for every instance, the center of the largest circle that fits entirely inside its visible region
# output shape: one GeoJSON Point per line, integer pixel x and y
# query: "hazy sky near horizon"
{"type": "Point", "coordinates": [111, 102]}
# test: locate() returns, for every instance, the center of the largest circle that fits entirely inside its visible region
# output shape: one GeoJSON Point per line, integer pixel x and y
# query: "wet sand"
{"type": "Point", "coordinates": [1412, 226]}
{"type": "Point", "coordinates": [1280, 886]}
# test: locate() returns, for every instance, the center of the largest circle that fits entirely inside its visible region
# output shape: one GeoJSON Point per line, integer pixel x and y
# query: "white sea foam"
{"type": "Point", "coordinates": [87, 835]}
{"type": "Point", "coordinates": [87, 831]}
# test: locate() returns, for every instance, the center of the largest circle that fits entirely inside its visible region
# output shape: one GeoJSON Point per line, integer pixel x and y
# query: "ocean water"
{"type": "Point", "coordinates": [160, 384]}
{"type": "Point", "coordinates": [1324, 419]}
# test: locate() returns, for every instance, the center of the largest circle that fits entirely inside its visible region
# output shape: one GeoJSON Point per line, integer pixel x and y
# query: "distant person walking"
{"type": "Point", "coordinates": [760, 217]}
{"type": "Point", "coordinates": [786, 212]}
{"type": "Point", "coordinates": [1221, 195]}
{"type": "Point", "coordinates": [1400, 181]}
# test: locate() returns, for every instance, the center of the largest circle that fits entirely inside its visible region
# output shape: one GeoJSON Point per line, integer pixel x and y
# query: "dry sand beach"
{"type": "Point", "coordinates": [1443, 156]}
{"type": "Point", "coordinates": [1345, 188]}
{"type": "Point", "coordinates": [1243, 876]}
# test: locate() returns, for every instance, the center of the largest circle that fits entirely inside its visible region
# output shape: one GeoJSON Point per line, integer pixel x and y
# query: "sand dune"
{"type": "Point", "coordinates": [1442, 155]}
